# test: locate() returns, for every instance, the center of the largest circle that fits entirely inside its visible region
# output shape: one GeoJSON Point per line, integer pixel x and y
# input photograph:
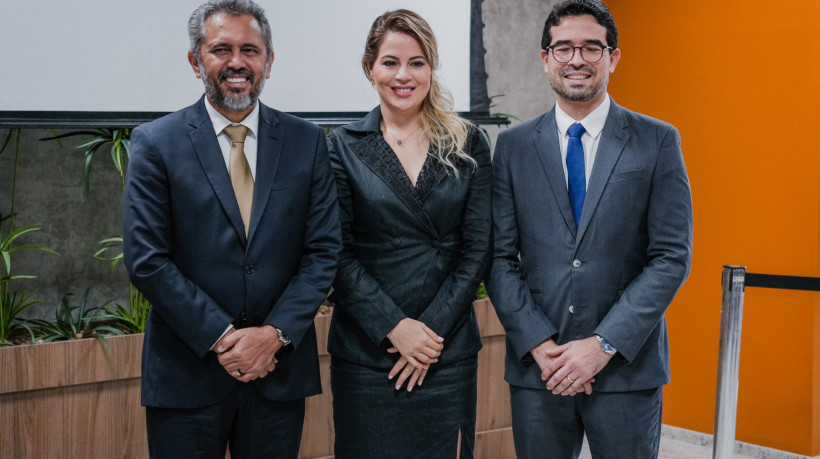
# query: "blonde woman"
{"type": "Point", "coordinates": [414, 188]}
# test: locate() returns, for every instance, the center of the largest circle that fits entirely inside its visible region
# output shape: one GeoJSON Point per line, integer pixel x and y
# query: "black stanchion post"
{"type": "Point", "coordinates": [731, 320]}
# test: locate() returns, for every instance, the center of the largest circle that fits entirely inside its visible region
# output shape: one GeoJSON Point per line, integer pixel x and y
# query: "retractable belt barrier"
{"type": "Point", "coordinates": [735, 281]}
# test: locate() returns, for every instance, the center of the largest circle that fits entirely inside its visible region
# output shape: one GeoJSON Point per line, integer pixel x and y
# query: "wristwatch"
{"type": "Point", "coordinates": [283, 337]}
{"type": "Point", "coordinates": [605, 346]}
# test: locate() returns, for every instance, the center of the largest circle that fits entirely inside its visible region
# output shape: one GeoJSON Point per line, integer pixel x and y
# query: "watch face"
{"type": "Point", "coordinates": [605, 346]}
{"type": "Point", "coordinates": [283, 337]}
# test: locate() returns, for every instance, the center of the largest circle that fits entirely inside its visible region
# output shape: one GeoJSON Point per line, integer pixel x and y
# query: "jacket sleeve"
{"type": "Point", "coordinates": [148, 247]}
{"type": "Point", "coordinates": [669, 227]}
{"type": "Point", "coordinates": [457, 292]}
{"type": "Point", "coordinates": [525, 324]}
{"type": "Point", "coordinates": [295, 309]}
{"type": "Point", "coordinates": [360, 295]}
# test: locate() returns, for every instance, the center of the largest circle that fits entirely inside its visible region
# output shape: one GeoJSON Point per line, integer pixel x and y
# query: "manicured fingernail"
{"type": "Point", "coordinates": [390, 377]}
{"type": "Point", "coordinates": [409, 389]}
{"type": "Point", "coordinates": [398, 387]}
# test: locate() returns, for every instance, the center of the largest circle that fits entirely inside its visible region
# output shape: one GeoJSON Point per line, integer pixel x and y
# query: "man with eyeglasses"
{"type": "Point", "coordinates": [592, 220]}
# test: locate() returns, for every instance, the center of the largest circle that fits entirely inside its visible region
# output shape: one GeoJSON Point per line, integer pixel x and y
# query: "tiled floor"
{"type": "Point", "coordinates": [685, 444]}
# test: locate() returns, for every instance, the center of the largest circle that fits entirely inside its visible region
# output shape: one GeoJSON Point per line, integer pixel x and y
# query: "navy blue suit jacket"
{"type": "Point", "coordinates": [617, 272]}
{"type": "Point", "coordinates": [186, 251]}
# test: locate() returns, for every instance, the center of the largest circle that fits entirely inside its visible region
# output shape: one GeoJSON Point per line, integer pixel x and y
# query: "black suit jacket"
{"type": "Point", "coordinates": [405, 254]}
{"type": "Point", "coordinates": [617, 272]}
{"type": "Point", "coordinates": [186, 251]}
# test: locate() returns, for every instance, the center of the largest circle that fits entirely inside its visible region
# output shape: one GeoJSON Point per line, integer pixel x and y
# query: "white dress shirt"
{"type": "Point", "coordinates": [251, 122]}
{"type": "Point", "coordinates": [593, 125]}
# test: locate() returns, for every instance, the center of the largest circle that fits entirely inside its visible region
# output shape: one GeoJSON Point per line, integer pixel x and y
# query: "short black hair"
{"type": "Point", "coordinates": [579, 8]}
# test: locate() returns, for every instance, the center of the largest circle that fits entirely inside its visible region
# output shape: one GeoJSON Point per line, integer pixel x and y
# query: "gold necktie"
{"type": "Point", "coordinates": [241, 177]}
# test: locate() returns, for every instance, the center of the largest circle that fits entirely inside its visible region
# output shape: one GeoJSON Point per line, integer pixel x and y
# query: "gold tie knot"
{"type": "Point", "coordinates": [236, 133]}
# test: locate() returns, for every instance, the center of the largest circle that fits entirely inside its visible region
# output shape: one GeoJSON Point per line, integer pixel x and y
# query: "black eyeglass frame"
{"type": "Point", "coordinates": [581, 48]}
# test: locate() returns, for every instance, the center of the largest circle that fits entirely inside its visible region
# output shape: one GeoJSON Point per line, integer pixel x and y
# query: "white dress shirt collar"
{"type": "Point", "coordinates": [593, 123]}
{"type": "Point", "coordinates": [220, 122]}
{"type": "Point", "coordinates": [251, 141]}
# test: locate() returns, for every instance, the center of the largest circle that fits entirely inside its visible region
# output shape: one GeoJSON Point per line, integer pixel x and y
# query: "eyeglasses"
{"type": "Point", "coordinates": [590, 53]}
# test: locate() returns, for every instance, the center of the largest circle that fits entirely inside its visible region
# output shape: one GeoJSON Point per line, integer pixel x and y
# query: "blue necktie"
{"type": "Point", "coordinates": [576, 177]}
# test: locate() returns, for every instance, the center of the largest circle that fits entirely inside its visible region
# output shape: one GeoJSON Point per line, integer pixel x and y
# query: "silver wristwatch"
{"type": "Point", "coordinates": [605, 346]}
{"type": "Point", "coordinates": [283, 337]}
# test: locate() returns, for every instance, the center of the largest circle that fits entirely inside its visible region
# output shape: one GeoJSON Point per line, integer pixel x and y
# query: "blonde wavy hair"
{"type": "Point", "coordinates": [447, 131]}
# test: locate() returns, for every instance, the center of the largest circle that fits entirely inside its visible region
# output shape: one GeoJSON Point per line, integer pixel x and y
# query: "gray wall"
{"type": "Point", "coordinates": [512, 37]}
{"type": "Point", "coordinates": [49, 175]}
{"type": "Point", "coordinates": [49, 191]}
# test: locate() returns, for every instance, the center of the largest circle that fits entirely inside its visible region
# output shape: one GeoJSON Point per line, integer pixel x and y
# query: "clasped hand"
{"type": "Point", "coordinates": [419, 347]}
{"type": "Point", "coordinates": [249, 353]}
{"type": "Point", "coordinates": [570, 368]}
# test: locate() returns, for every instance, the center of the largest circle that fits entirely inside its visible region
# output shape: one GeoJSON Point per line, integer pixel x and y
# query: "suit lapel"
{"type": "Point", "coordinates": [372, 153]}
{"type": "Point", "coordinates": [268, 152]}
{"type": "Point", "coordinates": [546, 145]}
{"type": "Point", "coordinates": [613, 139]}
{"type": "Point", "coordinates": [210, 157]}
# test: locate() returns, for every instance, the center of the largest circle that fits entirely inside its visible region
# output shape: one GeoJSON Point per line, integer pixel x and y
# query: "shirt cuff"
{"type": "Point", "coordinates": [230, 326]}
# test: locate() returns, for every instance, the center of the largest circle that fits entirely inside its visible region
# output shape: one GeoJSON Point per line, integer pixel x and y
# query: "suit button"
{"type": "Point", "coordinates": [571, 309]}
{"type": "Point", "coordinates": [435, 244]}
{"type": "Point", "coordinates": [576, 263]}
{"type": "Point", "coordinates": [250, 269]}
{"type": "Point", "coordinates": [395, 242]}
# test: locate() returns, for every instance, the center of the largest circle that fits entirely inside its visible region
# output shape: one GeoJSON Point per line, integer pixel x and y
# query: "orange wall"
{"type": "Point", "coordinates": [741, 80]}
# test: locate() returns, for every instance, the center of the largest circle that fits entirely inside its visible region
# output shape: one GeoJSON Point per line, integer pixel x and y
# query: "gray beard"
{"type": "Point", "coordinates": [229, 101]}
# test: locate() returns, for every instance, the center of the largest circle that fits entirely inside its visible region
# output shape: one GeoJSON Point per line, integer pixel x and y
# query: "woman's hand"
{"type": "Point", "coordinates": [416, 343]}
{"type": "Point", "coordinates": [405, 371]}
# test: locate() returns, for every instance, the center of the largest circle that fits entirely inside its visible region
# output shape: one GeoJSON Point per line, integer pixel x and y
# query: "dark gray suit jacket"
{"type": "Point", "coordinates": [407, 254]}
{"type": "Point", "coordinates": [616, 273]}
{"type": "Point", "coordinates": [185, 249]}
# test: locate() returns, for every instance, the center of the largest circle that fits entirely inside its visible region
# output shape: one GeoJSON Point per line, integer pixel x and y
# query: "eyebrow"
{"type": "Point", "coordinates": [243, 45]}
{"type": "Point", "coordinates": [388, 56]}
{"type": "Point", "coordinates": [586, 42]}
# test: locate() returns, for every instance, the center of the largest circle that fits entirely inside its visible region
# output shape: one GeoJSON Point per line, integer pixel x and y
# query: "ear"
{"type": "Point", "coordinates": [545, 58]}
{"type": "Point", "coordinates": [614, 58]}
{"type": "Point", "coordinates": [270, 63]}
{"type": "Point", "coordinates": [194, 64]}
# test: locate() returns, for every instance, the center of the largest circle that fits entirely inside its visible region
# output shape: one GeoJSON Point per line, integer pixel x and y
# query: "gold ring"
{"type": "Point", "coordinates": [238, 372]}
{"type": "Point", "coordinates": [570, 379]}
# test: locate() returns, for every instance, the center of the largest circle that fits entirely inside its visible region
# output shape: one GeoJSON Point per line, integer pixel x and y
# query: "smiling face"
{"type": "Point", "coordinates": [577, 81]}
{"type": "Point", "coordinates": [234, 64]}
{"type": "Point", "coordinates": [401, 74]}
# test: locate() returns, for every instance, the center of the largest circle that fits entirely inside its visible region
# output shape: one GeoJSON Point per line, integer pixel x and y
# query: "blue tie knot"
{"type": "Point", "coordinates": [576, 130]}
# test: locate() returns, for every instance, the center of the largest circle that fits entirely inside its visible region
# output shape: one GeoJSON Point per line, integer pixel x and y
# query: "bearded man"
{"type": "Point", "coordinates": [231, 230]}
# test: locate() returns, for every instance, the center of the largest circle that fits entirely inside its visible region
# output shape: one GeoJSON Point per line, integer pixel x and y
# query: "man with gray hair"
{"type": "Point", "coordinates": [232, 232]}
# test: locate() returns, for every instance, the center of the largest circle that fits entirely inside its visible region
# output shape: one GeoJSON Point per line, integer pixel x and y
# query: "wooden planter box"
{"type": "Point", "coordinates": [80, 399]}
{"type": "Point", "coordinates": [76, 399]}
